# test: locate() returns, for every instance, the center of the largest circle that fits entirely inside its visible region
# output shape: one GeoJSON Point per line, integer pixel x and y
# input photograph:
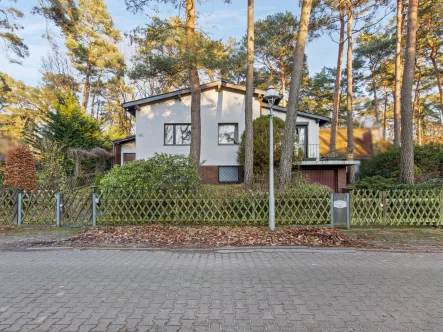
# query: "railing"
{"type": "Point", "coordinates": [307, 151]}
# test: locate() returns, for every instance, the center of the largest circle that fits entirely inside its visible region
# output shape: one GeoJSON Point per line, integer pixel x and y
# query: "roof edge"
{"type": "Point", "coordinates": [124, 140]}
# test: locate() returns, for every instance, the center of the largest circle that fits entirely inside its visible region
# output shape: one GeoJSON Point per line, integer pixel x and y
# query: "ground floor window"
{"type": "Point", "coordinates": [228, 174]}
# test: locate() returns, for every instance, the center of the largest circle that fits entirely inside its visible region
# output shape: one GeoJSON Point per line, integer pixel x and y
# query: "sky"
{"type": "Point", "coordinates": [218, 19]}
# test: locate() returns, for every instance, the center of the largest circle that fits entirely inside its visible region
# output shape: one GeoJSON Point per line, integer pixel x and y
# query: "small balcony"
{"type": "Point", "coordinates": [307, 152]}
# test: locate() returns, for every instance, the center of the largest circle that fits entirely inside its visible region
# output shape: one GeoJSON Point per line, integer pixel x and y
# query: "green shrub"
{"type": "Point", "coordinates": [376, 182]}
{"type": "Point", "coordinates": [427, 158]}
{"type": "Point", "coordinates": [384, 164]}
{"type": "Point", "coordinates": [160, 173]}
{"type": "Point", "coordinates": [261, 143]}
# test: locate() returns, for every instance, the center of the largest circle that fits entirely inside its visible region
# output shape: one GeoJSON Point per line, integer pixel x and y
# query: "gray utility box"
{"type": "Point", "coordinates": [340, 211]}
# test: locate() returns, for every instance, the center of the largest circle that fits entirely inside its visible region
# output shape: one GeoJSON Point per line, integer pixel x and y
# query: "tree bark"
{"type": "Point", "coordinates": [283, 88]}
{"type": "Point", "coordinates": [285, 171]}
{"type": "Point", "coordinates": [87, 87]}
{"type": "Point", "coordinates": [336, 105]}
{"type": "Point", "coordinates": [416, 104]}
{"type": "Point", "coordinates": [249, 134]}
{"type": "Point", "coordinates": [384, 113]}
{"type": "Point", "coordinates": [433, 56]}
{"type": "Point", "coordinates": [439, 82]}
{"type": "Point", "coordinates": [376, 108]}
{"type": "Point", "coordinates": [349, 100]}
{"type": "Point", "coordinates": [194, 82]}
{"type": "Point", "coordinates": [398, 73]}
{"type": "Point", "coordinates": [407, 134]}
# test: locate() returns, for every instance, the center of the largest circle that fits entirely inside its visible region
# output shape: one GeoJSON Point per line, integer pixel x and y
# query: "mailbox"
{"type": "Point", "coordinates": [340, 210]}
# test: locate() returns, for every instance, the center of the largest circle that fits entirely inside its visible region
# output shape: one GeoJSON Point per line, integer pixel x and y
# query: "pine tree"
{"type": "Point", "coordinates": [90, 37]}
{"type": "Point", "coordinates": [249, 134]}
{"type": "Point", "coordinates": [407, 134]}
{"type": "Point", "coordinates": [8, 33]}
{"type": "Point", "coordinates": [285, 170]}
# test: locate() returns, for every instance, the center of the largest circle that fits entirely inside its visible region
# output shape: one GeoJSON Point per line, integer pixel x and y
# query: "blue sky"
{"type": "Point", "coordinates": [219, 20]}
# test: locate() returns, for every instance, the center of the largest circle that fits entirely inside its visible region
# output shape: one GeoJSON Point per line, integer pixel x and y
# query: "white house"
{"type": "Point", "coordinates": [163, 125]}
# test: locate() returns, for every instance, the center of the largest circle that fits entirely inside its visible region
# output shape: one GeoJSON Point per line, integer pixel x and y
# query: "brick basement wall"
{"type": "Point", "coordinates": [341, 179]}
{"type": "Point", "coordinates": [208, 174]}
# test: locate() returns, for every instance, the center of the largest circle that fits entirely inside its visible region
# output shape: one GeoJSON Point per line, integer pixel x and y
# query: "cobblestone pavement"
{"type": "Point", "coordinates": [117, 290]}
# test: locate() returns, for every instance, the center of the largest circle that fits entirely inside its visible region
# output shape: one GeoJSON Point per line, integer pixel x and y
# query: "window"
{"type": "Point", "coordinates": [227, 133]}
{"type": "Point", "coordinates": [301, 140]}
{"type": "Point", "coordinates": [228, 174]}
{"type": "Point", "coordinates": [178, 134]}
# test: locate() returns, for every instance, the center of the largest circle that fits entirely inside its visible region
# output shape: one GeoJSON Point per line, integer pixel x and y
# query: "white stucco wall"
{"type": "Point", "coordinates": [225, 106]}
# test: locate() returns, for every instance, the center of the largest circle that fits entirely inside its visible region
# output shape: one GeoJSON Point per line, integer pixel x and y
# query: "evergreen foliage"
{"type": "Point", "coordinates": [162, 172]}
{"type": "Point", "coordinates": [261, 144]}
{"type": "Point", "coordinates": [428, 160]}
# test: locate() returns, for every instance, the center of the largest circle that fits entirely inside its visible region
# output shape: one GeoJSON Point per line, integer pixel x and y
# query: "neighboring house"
{"type": "Point", "coordinates": [163, 125]}
{"type": "Point", "coordinates": [367, 142]}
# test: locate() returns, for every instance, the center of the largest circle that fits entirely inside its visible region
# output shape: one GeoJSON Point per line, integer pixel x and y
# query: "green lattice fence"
{"type": "Point", "coordinates": [39, 208]}
{"type": "Point", "coordinates": [414, 207]}
{"type": "Point", "coordinates": [8, 207]}
{"type": "Point", "coordinates": [397, 208]}
{"type": "Point", "coordinates": [366, 208]}
{"type": "Point", "coordinates": [76, 207]}
{"type": "Point", "coordinates": [244, 208]}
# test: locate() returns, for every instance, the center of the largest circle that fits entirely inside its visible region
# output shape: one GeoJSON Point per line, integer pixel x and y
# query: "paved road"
{"type": "Point", "coordinates": [112, 290]}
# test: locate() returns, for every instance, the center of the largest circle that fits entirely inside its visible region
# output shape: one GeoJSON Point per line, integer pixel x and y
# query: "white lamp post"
{"type": "Point", "coordinates": [271, 97]}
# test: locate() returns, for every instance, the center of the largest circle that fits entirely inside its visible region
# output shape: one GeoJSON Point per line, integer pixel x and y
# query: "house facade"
{"type": "Point", "coordinates": [163, 125]}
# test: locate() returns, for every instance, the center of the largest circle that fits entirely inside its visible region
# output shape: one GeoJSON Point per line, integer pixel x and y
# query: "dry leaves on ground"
{"type": "Point", "coordinates": [213, 236]}
{"type": "Point", "coordinates": [6, 228]}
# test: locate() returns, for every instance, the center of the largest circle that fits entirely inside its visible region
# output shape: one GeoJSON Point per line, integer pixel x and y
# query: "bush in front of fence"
{"type": "Point", "coordinates": [162, 172]}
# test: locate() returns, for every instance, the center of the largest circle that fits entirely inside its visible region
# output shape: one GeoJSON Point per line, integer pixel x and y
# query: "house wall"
{"type": "Point", "coordinates": [226, 106]}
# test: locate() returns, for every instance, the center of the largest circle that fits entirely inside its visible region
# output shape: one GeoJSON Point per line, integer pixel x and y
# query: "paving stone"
{"type": "Point", "coordinates": [98, 290]}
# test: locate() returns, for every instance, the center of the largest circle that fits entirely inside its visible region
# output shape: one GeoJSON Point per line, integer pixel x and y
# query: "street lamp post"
{"type": "Point", "coordinates": [271, 97]}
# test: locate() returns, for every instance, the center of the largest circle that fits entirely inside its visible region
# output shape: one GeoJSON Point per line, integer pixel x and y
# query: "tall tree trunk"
{"type": "Point", "coordinates": [439, 82]}
{"type": "Point", "coordinates": [285, 171]}
{"type": "Point", "coordinates": [415, 103]}
{"type": "Point", "coordinates": [92, 105]}
{"type": "Point", "coordinates": [336, 106]}
{"type": "Point", "coordinates": [349, 100]}
{"type": "Point", "coordinates": [194, 82]}
{"type": "Point", "coordinates": [433, 56]}
{"type": "Point", "coordinates": [407, 134]}
{"type": "Point", "coordinates": [384, 113]}
{"type": "Point", "coordinates": [398, 73]}
{"type": "Point", "coordinates": [87, 87]}
{"type": "Point", "coordinates": [376, 108]}
{"type": "Point", "coordinates": [283, 88]}
{"type": "Point", "coordinates": [249, 134]}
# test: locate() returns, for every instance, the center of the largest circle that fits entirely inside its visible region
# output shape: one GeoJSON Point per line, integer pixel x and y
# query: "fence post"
{"type": "Point", "coordinates": [94, 207]}
{"type": "Point", "coordinates": [57, 211]}
{"type": "Point", "coordinates": [19, 209]}
{"type": "Point", "coordinates": [348, 207]}
{"type": "Point", "coordinates": [332, 210]}
{"type": "Point", "coordinates": [441, 207]}
{"type": "Point", "coordinates": [384, 208]}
